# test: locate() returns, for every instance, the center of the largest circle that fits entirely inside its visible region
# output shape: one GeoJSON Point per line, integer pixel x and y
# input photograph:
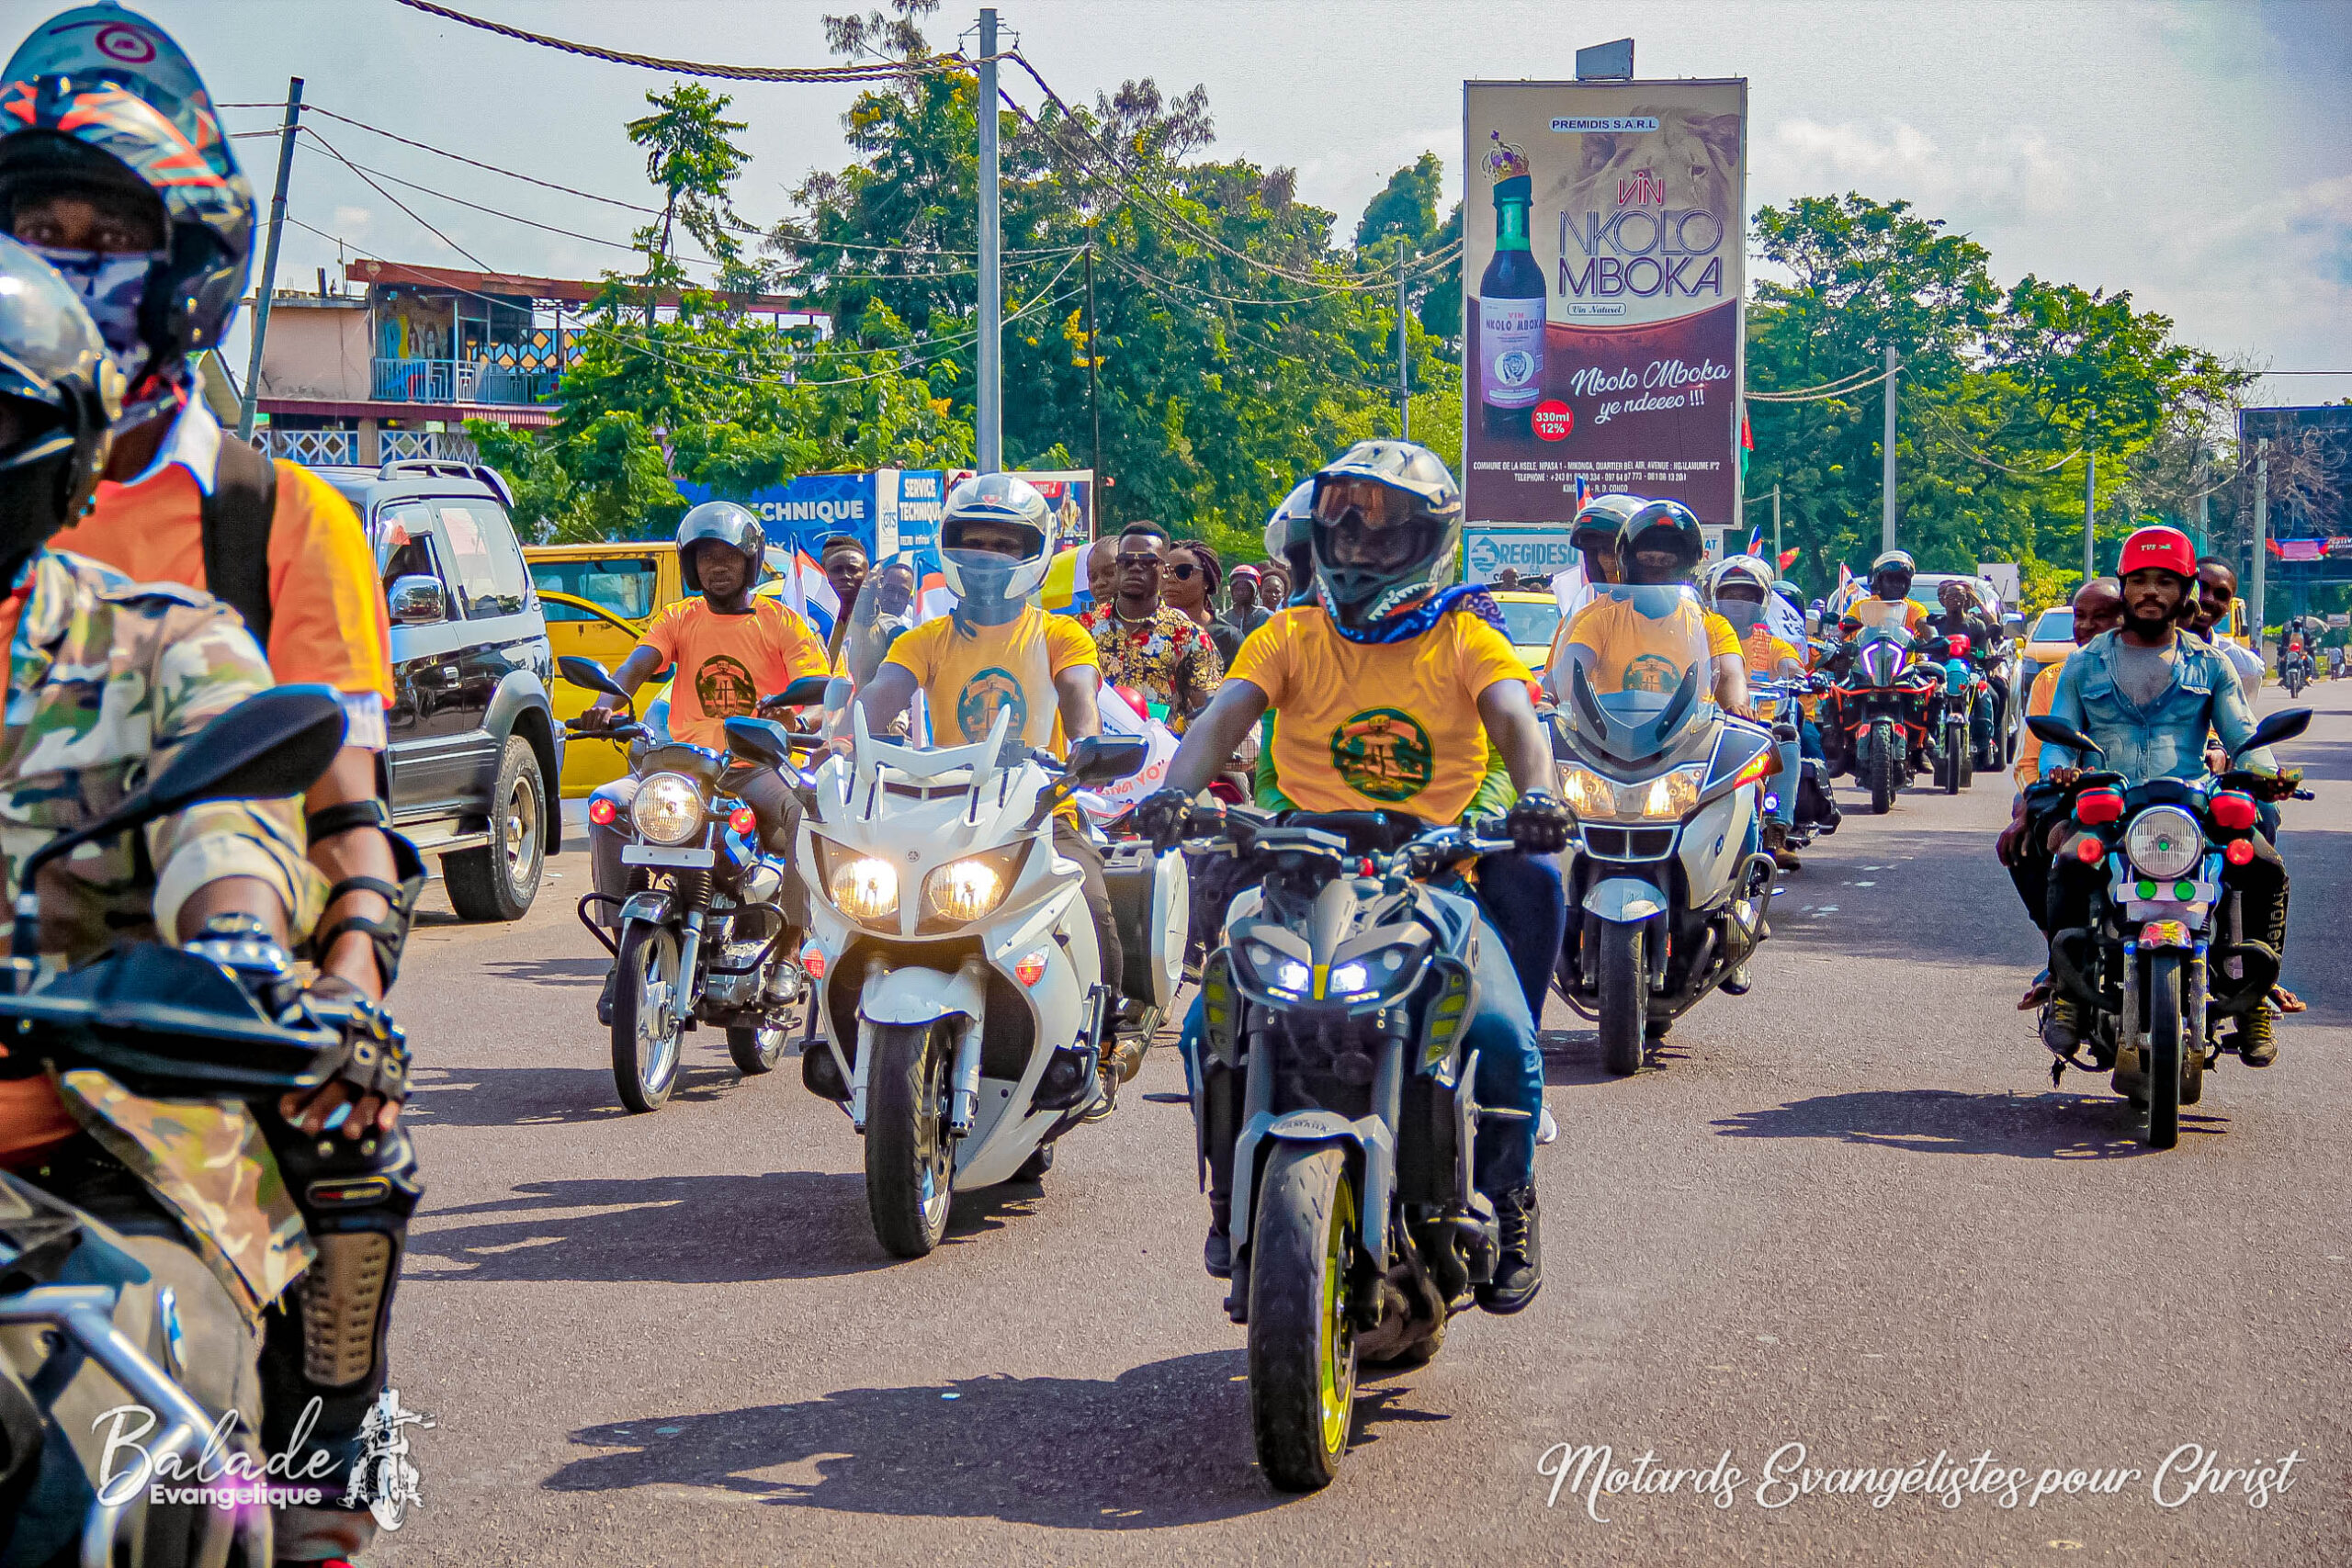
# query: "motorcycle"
{"type": "Point", "coordinates": [1778, 705]}
{"type": "Point", "coordinates": [967, 1021]}
{"type": "Point", "coordinates": [2160, 922]}
{"type": "Point", "coordinates": [2295, 673]}
{"type": "Point", "coordinates": [1966, 709]}
{"type": "Point", "coordinates": [84, 1327]}
{"type": "Point", "coordinates": [1332, 1069]}
{"type": "Point", "coordinates": [1880, 706]}
{"type": "Point", "coordinates": [1667, 889]}
{"type": "Point", "coordinates": [703, 935]}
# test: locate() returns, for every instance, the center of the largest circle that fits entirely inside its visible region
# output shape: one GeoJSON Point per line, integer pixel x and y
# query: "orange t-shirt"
{"type": "Point", "coordinates": [327, 620]}
{"type": "Point", "coordinates": [727, 663]}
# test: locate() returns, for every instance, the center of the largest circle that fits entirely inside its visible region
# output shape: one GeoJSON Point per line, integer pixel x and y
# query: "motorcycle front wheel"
{"type": "Point", "coordinates": [1955, 749]}
{"type": "Point", "coordinates": [2164, 1041]}
{"type": "Point", "coordinates": [909, 1161]}
{"type": "Point", "coordinates": [1880, 768]}
{"type": "Point", "coordinates": [1624, 997]}
{"type": "Point", "coordinates": [757, 1050]}
{"type": "Point", "coordinates": [1301, 1346]}
{"type": "Point", "coordinates": [646, 1022]}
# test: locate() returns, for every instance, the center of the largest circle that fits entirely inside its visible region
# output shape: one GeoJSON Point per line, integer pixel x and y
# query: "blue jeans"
{"type": "Point", "coordinates": [1520, 895]}
{"type": "Point", "coordinates": [1782, 791]}
{"type": "Point", "coordinates": [1510, 1076]}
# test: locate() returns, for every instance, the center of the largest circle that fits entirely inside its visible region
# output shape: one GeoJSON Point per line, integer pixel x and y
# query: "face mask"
{"type": "Point", "coordinates": [1743, 616]}
{"type": "Point", "coordinates": [111, 284]}
{"type": "Point", "coordinates": [988, 580]}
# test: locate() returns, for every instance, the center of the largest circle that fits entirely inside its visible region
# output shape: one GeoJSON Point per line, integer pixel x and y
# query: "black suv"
{"type": "Point", "coordinates": [473, 742]}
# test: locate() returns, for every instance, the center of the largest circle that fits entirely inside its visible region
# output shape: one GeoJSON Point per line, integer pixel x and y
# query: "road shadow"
{"type": "Point", "coordinates": [1163, 1444]}
{"type": "Point", "coordinates": [683, 1230]}
{"type": "Point", "coordinates": [538, 1097]}
{"type": "Point", "coordinates": [1572, 1057]}
{"type": "Point", "coordinates": [567, 972]}
{"type": "Point", "coordinates": [1935, 1120]}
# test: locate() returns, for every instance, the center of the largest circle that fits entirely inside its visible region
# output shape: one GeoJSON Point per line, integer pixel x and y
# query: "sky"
{"type": "Point", "coordinates": [2198, 155]}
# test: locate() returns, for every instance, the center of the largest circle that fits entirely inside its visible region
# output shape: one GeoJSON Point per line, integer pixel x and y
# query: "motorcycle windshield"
{"type": "Point", "coordinates": [1635, 672]}
{"type": "Point", "coordinates": [1880, 655]}
{"type": "Point", "coordinates": [1881, 615]}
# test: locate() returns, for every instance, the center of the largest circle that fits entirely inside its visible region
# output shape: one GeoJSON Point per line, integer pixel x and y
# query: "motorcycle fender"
{"type": "Point", "coordinates": [911, 995]}
{"type": "Point", "coordinates": [1713, 844]}
{"type": "Point", "coordinates": [653, 905]}
{"type": "Point", "coordinates": [1373, 1163]}
{"type": "Point", "coordinates": [1624, 900]}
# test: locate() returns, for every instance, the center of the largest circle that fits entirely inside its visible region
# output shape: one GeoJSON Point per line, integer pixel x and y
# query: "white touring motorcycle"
{"type": "Point", "coordinates": [964, 1015]}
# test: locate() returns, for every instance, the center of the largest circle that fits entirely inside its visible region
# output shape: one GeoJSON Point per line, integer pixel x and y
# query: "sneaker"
{"type": "Point", "coordinates": [2062, 1025]}
{"type": "Point", "coordinates": [1736, 984]}
{"type": "Point", "coordinates": [1519, 1271]}
{"type": "Point", "coordinates": [605, 998]}
{"type": "Point", "coordinates": [1216, 1254]}
{"type": "Point", "coordinates": [2258, 1040]}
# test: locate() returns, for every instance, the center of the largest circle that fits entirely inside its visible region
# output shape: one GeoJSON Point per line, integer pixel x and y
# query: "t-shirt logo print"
{"type": "Point", "coordinates": [1383, 753]}
{"type": "Point", "coordinates": [1652, 673]}
{"type": "Point", "coordinates": [983, 694]}
{"type": "Point", "coordinates": [725, 688]}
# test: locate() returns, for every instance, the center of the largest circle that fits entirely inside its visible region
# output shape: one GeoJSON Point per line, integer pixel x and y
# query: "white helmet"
{"type": "Point", "coordinates": [991, 588]}
{"type": "Point", "coordinates": [1739, 569]}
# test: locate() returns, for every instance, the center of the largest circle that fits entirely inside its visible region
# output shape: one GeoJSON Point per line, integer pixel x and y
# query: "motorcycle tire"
{"type": "Point", "coordinates": [2164, 1050]}
{"type": "Point", "coordinates": [1302, 1346]}
{"type": "Point", "coordinates": [1034, 1168]}
{"type": "Point", "coordinates": [647, 1028]}
{"type": "Point", "coordinates": [757, 1050]}
{"type": "Point", "coordinates": [1624, 997]}
{"type": "Point", "coordinates": [1955, 755]}
{"type": "Point", "coordinates": [1881, 769]}
{"type": "Point", "coordinates": [909, 1161]}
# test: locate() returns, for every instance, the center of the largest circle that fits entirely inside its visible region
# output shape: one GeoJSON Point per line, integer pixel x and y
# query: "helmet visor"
{"type": "Point", "coordinates": [1367, 503]}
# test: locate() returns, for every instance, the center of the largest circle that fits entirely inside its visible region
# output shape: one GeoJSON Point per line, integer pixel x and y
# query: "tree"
{"type": "Point", "coordinates": [690, 153]}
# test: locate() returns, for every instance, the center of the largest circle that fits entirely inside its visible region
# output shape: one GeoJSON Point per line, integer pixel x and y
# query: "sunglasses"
{"type": "Point", "coordinates": [1182, 572]}
{"type": "Point", "coordinates": [1138, 562]}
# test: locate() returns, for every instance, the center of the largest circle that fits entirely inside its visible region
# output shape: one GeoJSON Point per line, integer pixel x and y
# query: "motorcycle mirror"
{"type": "Point", "coordinates": [762, 741]}
{"type": "Point", "coordinates": [274, 743]}
{"type": "Point", "coordinates": [2058, 732]}
{"type": "Point", "coordinates": [589, 674]}
{"type": "Point", "coordinates": [2284, 725]}
{"type": "Point", "coordinates": [807, 691]}
{"type": "Point", "coordinates": [1099, 759]}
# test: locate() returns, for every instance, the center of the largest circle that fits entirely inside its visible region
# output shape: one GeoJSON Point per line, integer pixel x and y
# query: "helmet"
{"type": "Point", "coordinates": [2165, 549]}
{"type": "Point", "coordinates": [101, 96]}
{"type": "Point", "coordinates": [1745, 570]}
{"type": "Point", "coordinates": [1598, 520]}
{"type": "Point", "coordinates": [1892, 563]}
{"type": "Point", "coordinates": [55, 370]}
{"type": "Point", "coordinates": [1396, 503]}
{"type": "Point", "coordinates": [729, 524]}
{"type": "Point", "coordinates": [991, 588]}
{"type": "Point", "coordinates": [1660, 525]}
{"type": "Point", "coordinates": [1290, 539]}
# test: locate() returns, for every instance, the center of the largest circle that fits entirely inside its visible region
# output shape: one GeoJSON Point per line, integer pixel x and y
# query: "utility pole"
{"type": "Point", "coordinates": [1887, 483]}
{"type": "Point", "coordinates": [2090, 512]}
{"type": "Point", "coordinates": [1776, 530]}
{"type": "Point", "coordinates": [1403, 385]}
{"type": "Point", "coordinates": [2261, 542]}
{"type": "Point", "coordinates": [269, 256]}
{"type": "Point", "coordinates": [1093, 385]}
{"type": "Point", "coordinates": [990, 369]}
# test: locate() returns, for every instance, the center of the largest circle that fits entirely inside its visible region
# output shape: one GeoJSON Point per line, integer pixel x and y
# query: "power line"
{"type": "Point", "coordinates": [1837, 389]}
{"type": "Point", "coordinates": [882, 71]}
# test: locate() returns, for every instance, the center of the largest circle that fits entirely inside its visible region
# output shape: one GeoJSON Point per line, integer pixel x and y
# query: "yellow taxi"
{"type": "Point", "coordinates": [1529, 620]}
{"type": "Point", "coordinates": [599, 599]}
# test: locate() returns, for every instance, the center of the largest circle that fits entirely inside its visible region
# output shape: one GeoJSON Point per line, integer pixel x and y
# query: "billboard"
{"type": "Point", "coordinates": [2310, 472]}
{"type": "Point", "coordinates": [1604, 227]}
{"type": "Point", "coordinates": [893, 511]}
{"type": "Point", "coordinates": [1531, 552]}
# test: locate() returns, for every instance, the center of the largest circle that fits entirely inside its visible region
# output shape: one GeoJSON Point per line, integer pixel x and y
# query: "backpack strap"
{"type": "Point", "coordinates": [236, 519]}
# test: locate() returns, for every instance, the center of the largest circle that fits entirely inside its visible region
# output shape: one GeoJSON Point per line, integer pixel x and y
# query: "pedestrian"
{"type": "Point", "coordinates": [1146, 644]}
{"type": "Point", "coordinates": [1102, 569]}
{"type": "Point", "coordinates": [1194, 577]}
{"type": "Point", "coordinates": [1274, 586]}
{"type": "Point", "coordinates": [845, 563]}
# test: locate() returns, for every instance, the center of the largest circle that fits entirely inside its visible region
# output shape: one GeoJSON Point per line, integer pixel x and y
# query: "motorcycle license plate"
{"type": "Point", "coordinates": [2165, 933]}
{"type": "Point", "coordinates": [654, 854]}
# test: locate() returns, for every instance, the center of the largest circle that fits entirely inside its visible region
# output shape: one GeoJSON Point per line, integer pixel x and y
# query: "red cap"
{"type": "Point", "coordinates": [2167, 550]}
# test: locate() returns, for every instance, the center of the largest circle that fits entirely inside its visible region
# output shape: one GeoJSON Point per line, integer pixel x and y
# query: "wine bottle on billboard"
{"type": "Point", "coordinates": [1511, 307]}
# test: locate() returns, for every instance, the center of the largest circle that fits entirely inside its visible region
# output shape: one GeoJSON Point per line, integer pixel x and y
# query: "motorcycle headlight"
{"type": "Point", "coordinates": [1670, 794]}
{"type": "Point", "coordinates": [967, 890]}
{"type": "Point", "coordinates": [668, 810]}
{"type": "Point", "coordinates": [864, 887]}
{"type": "Point", "coordinates": [2165, 842]}
{"type": "Point", "coordinates": [1277, 972]}
{"type": "Point", "coordinates": [1585, 792]}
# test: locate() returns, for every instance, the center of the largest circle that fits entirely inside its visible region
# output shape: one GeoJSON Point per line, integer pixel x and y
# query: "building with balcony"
{"type": "Point", "coordinates": [392, 360]}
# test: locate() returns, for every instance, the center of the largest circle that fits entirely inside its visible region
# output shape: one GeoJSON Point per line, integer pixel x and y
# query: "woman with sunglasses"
{"type": "Point", "coordinates": [1148, 644]}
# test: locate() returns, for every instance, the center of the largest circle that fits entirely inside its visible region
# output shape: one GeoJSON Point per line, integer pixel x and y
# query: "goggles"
{"type": "Point", "coordinates": [1366, 503]}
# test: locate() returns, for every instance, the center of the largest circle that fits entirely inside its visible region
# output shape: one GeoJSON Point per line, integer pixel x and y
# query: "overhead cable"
{"type": "Point", "coordinates": [878, 71]}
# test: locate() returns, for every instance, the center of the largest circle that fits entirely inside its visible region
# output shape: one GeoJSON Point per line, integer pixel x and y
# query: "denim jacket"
{"type": "Point", "coordinates": [2166, 738]}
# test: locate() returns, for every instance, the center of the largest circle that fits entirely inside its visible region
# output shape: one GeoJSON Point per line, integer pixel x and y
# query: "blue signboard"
{"type": "Point", "coordinates": [807, 509]}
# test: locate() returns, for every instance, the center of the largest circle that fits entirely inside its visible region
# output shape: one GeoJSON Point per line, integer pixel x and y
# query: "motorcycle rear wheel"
{"type": "Point", "coordinates": [1955, 743]}
{"type": "Point", "coordinates": [2164, 1050]}
{"type": "Point", "coordinates": [757, 1050]}
{"type": "Point", "coordinates": [646, 1021]}
{"type": "Point", "coordinates": [1624, 997]}
{"type": "Point", "coordinates": [910, 1162]}
{"type": "Point", "coordinates": [1880, 770]}
{"type": "Point", "coordinates": [1301, 1346]}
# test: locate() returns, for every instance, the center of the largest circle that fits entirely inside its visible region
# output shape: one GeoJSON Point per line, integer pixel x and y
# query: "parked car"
{"type": "Point", "coordinates": [598, 600]}
{"type": "Point", "coordinates": [1531, 618]}
{"type": "Point", "coordinates": [474, 738]}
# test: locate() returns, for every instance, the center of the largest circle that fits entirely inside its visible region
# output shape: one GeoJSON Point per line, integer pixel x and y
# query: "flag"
{"type": "Point", "coordinates": [800, 583]}
{"type": "Point", "coordinates": [1579, 492]}
{"type": "Point", "coordinates": [1756, 540]}
{"type": "Point", "coordinates": [1746, 441]}
{"type": "Point", "coordinates": [1787, 559]}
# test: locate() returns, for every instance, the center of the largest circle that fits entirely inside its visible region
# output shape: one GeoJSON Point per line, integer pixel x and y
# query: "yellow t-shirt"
{"type": "Point", "coordinates": [966, 679]}
{"type": "Point", "coordinates": [1905, 615]}
{"type": "Point", "coordinates": [2038, 701]}
{"type": "Point", "coordinates": [1372, 725]}
{"type": "Point", "coordinates": [1632, 651]}
{"type": "Point", "coordinates": [727, 663]}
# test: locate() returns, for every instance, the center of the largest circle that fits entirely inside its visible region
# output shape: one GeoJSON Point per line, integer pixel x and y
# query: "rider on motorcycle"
{"type": "Point", "coordinates": [1739, 588]}
{"type": "Point", "coordinates": [1659, 543]}
{"type": "Point", "coordinates": [1391, 686]}
{"type": "Point", "coordinates": [1960, 615]}
{"type": "Point", "coordinates": [729, 647]}
{"type": "Point", "coordinates": [2147, 696]}
{"type": "Point", "coordinates": [106, 679]}
{"type": "Point", "coordinates": [1889, 604]}
{"type": "Point", "coordinates": [998, 646]}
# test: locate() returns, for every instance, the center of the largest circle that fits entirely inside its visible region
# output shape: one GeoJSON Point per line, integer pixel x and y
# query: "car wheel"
{"type": "Point", "coordinates": [498, 881]}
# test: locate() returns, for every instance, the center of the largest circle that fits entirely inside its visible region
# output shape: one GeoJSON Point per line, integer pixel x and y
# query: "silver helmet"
{"type": "Point", "coordinates": [989, 587]}
{"type": "Point", "coordinates": [724, 522]}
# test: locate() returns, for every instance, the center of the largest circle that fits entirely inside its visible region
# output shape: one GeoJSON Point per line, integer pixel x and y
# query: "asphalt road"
{"type": "Point", "coordinates": [1848, 1211]}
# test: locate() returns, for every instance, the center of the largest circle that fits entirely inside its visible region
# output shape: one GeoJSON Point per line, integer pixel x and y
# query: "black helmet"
{"type": "Point", "coordinates": [102, 98]}
{"type": "Point", "coordinates": [1599, 519]}
{"type": "Point", "coordinates": [1893, 565]}
{"type": "Point", "coordinates": [64, 393]}
{"type": "Point", "coordinates": [729, 524]}
{"type": "Point", "coordinates": [1400, 505]}
{"type": "Point", "coordinates": [1660, 526]}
